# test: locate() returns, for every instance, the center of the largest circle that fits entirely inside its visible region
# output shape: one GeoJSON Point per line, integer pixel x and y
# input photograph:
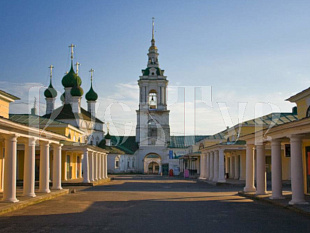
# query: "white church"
{"type": "Point", "coordinates": [152, 150]}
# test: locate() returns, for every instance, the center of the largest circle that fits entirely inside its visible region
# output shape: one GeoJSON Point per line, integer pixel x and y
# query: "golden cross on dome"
{"type": "Point", "coordinates": [51, 71]}
{"type": "Point", "coordinates": [91, 74]}
{"type": "Point", "coordinates": [72, 46]}
{"type": "Point", "coordinates": [77, 64]}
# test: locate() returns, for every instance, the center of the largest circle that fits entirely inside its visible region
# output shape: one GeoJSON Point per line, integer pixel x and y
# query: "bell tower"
{"type": "Point", "coordinates": [152, 116]}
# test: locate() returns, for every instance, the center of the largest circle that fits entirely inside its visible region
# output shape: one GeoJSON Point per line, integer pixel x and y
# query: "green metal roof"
{"type": "Point", "coordinates": [272, 119]}
{"type": "Point", "coordinates": [127, 144]}
{"type": "Point", "coordinates": [185, 141]}
{"type": "Point", "coordinates": [146, 72]}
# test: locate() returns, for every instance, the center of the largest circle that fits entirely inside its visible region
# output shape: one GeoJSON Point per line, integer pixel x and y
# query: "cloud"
{"type": "Point", "coordinates": [208, 115]}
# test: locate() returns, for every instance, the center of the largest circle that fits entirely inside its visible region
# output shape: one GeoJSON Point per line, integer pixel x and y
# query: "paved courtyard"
{"type": "Point", "coordinates": [153, 204]}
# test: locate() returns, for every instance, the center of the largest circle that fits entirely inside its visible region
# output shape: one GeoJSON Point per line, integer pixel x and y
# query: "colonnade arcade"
{"type": "Point", "coordinates": [297, 136]}
{"type": "Point", "coordinates": [297, 169]}
{"type": "Point", "coordinates": [221, 162]}
{"type": "Point", "coordinates": [11, 135]}
{"type": "Point", "coordinates": [94, 164]}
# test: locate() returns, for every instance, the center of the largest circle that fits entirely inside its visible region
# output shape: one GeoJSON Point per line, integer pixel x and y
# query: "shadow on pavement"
{"type": "Point", "coordinates": [163, 216]}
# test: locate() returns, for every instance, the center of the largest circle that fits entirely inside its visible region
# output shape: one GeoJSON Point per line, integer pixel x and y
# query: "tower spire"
{"type": "Point", "coordinates": [72, 46]}
{"type": "Point", "coordinates": [153, 28]}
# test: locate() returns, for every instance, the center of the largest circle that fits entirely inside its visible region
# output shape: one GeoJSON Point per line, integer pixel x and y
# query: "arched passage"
{"type": "Point", "coordinates": [152, 164]}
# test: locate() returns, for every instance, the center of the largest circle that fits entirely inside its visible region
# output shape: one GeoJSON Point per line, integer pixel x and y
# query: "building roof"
{"type": "Point", "coordinates": [277, 118]}
{"type": "Point", "coordinates": [299, 95]}
{"type": "Point", "coordinates": [28, 119]}
{"type": "Point", "coordinates": [9, 95]}
{"type": "Point", "coordinates": [65, 112]}
{"type": "Point", "coordinates": [127, 144]}
{"type": "Point", "coordinates": [36, 121]}
{"type": "Point", "coordinates": [185, 141]}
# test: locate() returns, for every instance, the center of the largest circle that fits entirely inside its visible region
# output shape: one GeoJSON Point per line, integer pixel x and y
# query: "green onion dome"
{"type": "Point", "coordinates": [91, 95]}
{"type": "Point", "coordinates": [50, 92]}
{"type": "Point", "coordinates": [108, 136]}
{"type": "Point", "coordinates": [102, 143]}
{"type": "Point", "coordinates": [71, 79]}
{"type": "Point", "coordinates": [76, 91]}
{"type": "Point", "coordinates": [62, 97]}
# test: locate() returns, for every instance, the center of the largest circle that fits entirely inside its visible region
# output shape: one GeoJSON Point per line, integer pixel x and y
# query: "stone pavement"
{"type": "Point", "coordinates": [303, 209]}
{"type": "Point", "coordinates": [153, 204]}
{"type": "Point", "coordinates": [6, 207]}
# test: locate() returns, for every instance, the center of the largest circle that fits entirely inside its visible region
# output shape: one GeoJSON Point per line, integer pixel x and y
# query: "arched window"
{"type": "Point", "coordinates": [308, 112]}
{"type": "Point", "coordinates": [153, 99]}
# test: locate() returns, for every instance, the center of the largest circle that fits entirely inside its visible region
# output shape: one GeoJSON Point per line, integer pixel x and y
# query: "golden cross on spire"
{"type": "Point", "coordinates": [153, 28]}
{"type": "Point", "coordinates": [91, 74]}
{"type": "Point", "coordinates": [51, 71]}
{"type": "Point", "coordinates": [72, 46]}
{"type": "Point", "coordinates": [108, 126]}
{"type": "Point", "coordinates": [77, 64]}
{"type": "Point", "coordinates": [35, 102]}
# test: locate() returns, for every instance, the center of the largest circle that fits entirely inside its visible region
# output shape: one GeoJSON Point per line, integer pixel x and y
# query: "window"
{"type": "Point", "coordinates": [128, 164]}
{"type": "Point", "coordinates": [308, 112]}
{"type": "Point", "coordinates": [133, 164]}
{"type": "Point", "coordinates": [116, 162]}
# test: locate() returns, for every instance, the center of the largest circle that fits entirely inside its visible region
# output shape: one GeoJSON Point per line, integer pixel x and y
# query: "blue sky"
{"type": "Point", "coordinates": [247, 51]}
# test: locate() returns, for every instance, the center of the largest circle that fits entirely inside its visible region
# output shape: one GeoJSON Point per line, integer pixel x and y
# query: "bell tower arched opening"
{"type": "Point", "coordinates": [153, 99]}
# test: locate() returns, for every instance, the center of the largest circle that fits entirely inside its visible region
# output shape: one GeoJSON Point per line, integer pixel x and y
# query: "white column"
{"type": "Point", "coordinates": [96, 165]}
{"type": "Point", "coordinates": [44, 167]}
{"type": "Point", "coordinates": [100, 166]}
{"type": "Point", "coordinates": [207, 169]}
{"type": "Point", "coordinates": [249, 179]}
{"type": "Point", "coordinates": [221, 173]}
{"type": "Point", "coordinates": [106, 166]}
{"type": "Point", "coordinates": [276, 170]}
{"type": "Point", "coordinates": [56, 167]}
{"type": "Point", "coordinates": [9, 186]}
{"type": "Point", "coordinates": [297, 178]}
{"type": "Point", "coordinates": [103, 168]}
{"type": "Point", "coordinates": [237, 162]}
{"type": "Point", "coordinates": [85, 167]}
{"type": "Point", "coordinates": [202, 166]}
{"type": "Point", "coordinates": [29, 168]}
{"type": "Point", "coordinates": [211, 165]}
{"type": "Point", "coordinates": [216, 166]}
{"type": "Point", "coordinates": [232, 167]}
{"type": "Point", "coordinates": [91, 166]}
{"type": "Point", "coordinates": [260, 170]}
